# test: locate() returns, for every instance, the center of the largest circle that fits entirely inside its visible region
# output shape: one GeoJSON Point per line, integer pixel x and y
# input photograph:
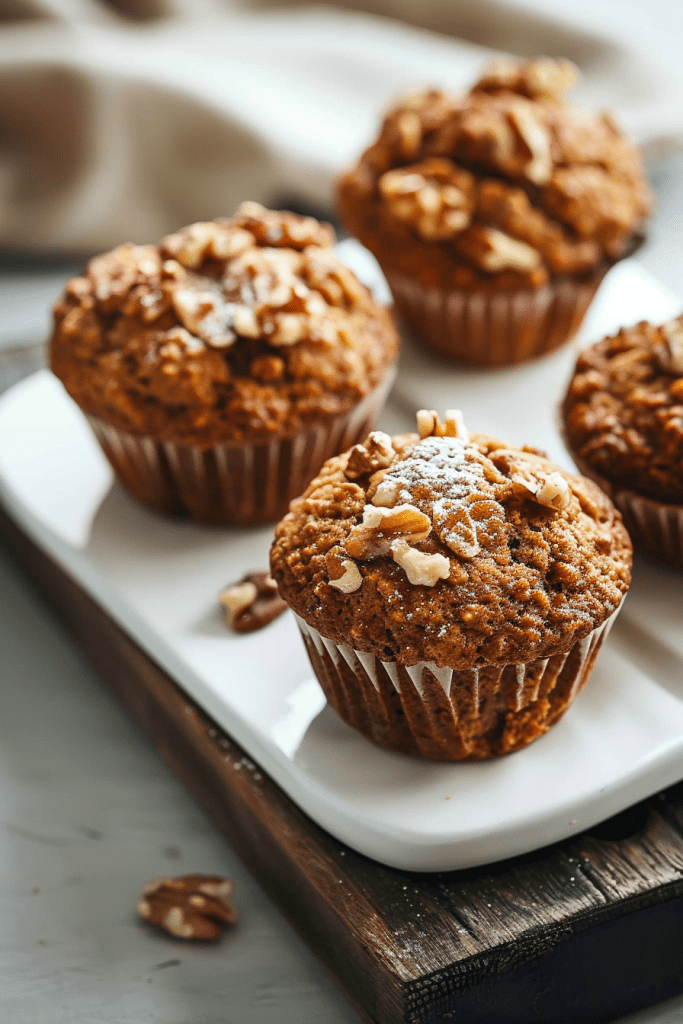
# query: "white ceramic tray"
{"type": "Point", "coordinates": [620, 742]}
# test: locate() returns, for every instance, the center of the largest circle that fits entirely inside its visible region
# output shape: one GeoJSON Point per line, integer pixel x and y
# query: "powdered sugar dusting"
{"type": "Point", "coordinates": [452, 478]}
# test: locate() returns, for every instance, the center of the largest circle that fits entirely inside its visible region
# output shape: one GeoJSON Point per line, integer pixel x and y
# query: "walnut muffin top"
{"type": "Point", "coordinates": [463, 552]}
{"type": "Point", "coordinates": [506, 186]}
{"type": "Point", "coordinates": [623, 411]}
{"type": "Point", "coordinates": [227, 330]}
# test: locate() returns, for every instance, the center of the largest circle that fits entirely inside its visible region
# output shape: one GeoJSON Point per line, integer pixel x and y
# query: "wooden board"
{"type": "Point", "coordinates": [588, 929]}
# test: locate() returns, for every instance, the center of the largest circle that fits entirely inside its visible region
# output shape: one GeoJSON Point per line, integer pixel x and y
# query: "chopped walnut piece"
{"type": "Point", "coordinates": [205, 313]}
{"type": "Point", "coordinates": [218, 239]}
{"type": "Point", "coordinates": [454, 425]}
{"type": "Point", "coordinates": [381, 526]}
{"type": "Point", "coordinates": [252, 603]}
{"type": "Point", "coordinates": [386, 493]}
{"type": "Point", "coordinates": [114, 273]}
{"type": "Point", "coordinates": [542, 77]}
{"type": "Point", "coordinates": [421, 568]}
{"type": "Point", "coordinates": [376, 452]}
{"type": "Point", "coordinates": [429, 424]}
{"type": "Point", "coordinates": [536, 138]}
{"type": "Point", "coordinates": [190, 906]}
{"type": "Point", "coordinates": [671, 354]}
{"type": "Point", "coordinates": [551, 489]}
{"type": "Point", "coordinates": [171, 269]}
{"type": "Point", "coordinates": [282, 229]}
{"type": "Point", "coordinates": [493, 250]}
{"type": "Point", "coordinates": [427, 420]}
{"type": "Point", "coordinates": [245, 323]}
{"type": "Point", "coordinates": [409, 128]}
{"type": "Point", "coordinates": [434, 197]}
{"type": "Point", "coordinates": [237, 597]}
{"type": "Point", "coordinates": [151, 303]}
{"type": "Point", "coordinates": [280, 282]}
{"type": "Point", "coordinates": [344, 574]}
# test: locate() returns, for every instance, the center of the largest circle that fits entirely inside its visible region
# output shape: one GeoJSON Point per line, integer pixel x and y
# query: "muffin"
{"type": "Point", "coordinates": [495, 216]}
{"type": "Point", "coordinates": [452, 593]}
{"type": "Point", "coordinates": [221, 368]}
{"type": "Point", "coordinates": [623, 424]}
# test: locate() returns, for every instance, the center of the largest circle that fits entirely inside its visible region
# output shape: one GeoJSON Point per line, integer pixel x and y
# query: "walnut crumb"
{"type": "Point", "coordinates": [375, 453]}
{"type": "Point", "coordinates": [421, 568]}
{"type": "Point", "coordinates": [386, 493]}
{"type": "Point", "coordinates": [551, 489]}
{"type": "Point", "coordinates": [430, 425]}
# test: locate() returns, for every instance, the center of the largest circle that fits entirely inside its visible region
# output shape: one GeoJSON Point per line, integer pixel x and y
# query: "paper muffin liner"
{"type": "Point", "coordinates": [448, 715]}
{"type": "Point", "coordinates": [655, 527]}
{"type": "Point", "coordinates": [235, 483]}
{"type": "Point", "coordinates": [493, 328]}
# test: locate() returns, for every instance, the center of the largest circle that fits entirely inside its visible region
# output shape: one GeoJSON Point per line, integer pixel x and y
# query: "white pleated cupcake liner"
{"type": "Point", "coordinates": [655, 527]}
{"type": "Point", "coordinates": [493, 328]}
{"type": "Point", "coordinates": [235, 483]}
{"type": "Point", "coordinates": [438, 712]}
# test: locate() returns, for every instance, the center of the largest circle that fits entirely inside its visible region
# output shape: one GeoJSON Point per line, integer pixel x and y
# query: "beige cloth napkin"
{"type": "Point", "coordinates": [127, 119]}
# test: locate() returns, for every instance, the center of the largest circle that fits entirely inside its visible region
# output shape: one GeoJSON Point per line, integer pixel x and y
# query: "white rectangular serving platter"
{"type": "Point", "coordinates": [160, 579]}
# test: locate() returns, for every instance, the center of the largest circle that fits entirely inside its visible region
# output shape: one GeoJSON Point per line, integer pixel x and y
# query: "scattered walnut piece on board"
{"type": "Point", "coordinates": [252, 603]}
{"type": "Point", "coordinates": [189, 906]}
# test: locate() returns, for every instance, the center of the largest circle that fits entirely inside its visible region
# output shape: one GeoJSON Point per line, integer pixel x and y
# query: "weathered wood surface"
{"type": "Point", "coordinates": [585, 930]}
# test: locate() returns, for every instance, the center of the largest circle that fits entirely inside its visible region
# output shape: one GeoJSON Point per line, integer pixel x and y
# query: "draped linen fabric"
{"type": "Point", "coordinates": [127, 119]}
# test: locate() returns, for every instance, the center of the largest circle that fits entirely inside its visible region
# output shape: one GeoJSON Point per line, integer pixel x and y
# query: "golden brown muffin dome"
{"type": "Point", "coordinates": [230, 330]}
{"type": "Point", "coordinates": [508, 186]}
{"type": "Point", "coordinates": [452, 551]}
{"type": "Point", "coordinates": [623, 411]}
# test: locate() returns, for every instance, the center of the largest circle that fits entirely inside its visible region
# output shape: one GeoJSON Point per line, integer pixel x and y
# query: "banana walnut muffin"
{"type": "Point", "coordinates": [452, 592]}
{"type": "Point", "coordinates": [220, 368]}
{"type": "Point", "coordinates": [623, 423]}
{"type": "Point", "coordinates": [496, 214]}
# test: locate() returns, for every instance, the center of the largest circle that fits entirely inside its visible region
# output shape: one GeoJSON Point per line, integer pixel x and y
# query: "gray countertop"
{"type": "Point", "coordinates": [89, 811]}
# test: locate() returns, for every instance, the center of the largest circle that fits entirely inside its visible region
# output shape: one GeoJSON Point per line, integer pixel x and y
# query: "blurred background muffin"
{"type": "Point", "coordinates": [453, 594]}
{"type": "Point", "coordinates": [623, 423]}
{"type": "Point", "coordinates": [221, 368]}
{"type": "Point", "coordinates": [495, 215]}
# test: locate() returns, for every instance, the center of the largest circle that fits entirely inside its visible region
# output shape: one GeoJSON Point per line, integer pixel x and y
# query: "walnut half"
{"type": "Point", "coordinates": [382, 526]}
{"type": "Point", "coordinates": [190, 906]}
{"type": "Point", "coordinates": [549, 489]}
{"type": "Point", "coordinates": [252, 603]}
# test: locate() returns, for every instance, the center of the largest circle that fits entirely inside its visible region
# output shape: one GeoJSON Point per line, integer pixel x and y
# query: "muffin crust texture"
{"type": "Point", "coordinates": [229, 330]}
{"type": "Point", "coordinates": [511, 559]}
{"type": "Point", "coordinates": [505, 187]}
{"type": "Point", "coordinates": [623, 410]}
